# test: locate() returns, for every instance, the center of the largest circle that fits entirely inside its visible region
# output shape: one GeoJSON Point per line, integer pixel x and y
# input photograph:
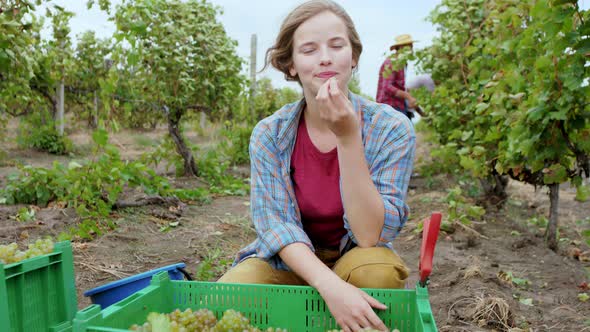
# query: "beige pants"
{"type": "Point", "coordinates": [375, 267]}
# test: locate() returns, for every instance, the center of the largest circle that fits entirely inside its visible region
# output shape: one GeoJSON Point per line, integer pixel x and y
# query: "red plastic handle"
{"type": "Point", "coordinates": [429, 237]}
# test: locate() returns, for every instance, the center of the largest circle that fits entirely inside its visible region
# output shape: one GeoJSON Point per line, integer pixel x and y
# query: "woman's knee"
{"type": "Point", "coordinates": [258, 271]}
{"type": "Point", "coordinates": [249, 271]}
{"type": "Point", "coordinates": [375, 267]}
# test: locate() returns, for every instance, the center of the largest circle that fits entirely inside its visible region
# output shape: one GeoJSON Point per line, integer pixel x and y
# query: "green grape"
{"type": "Point", "coordinates": [7, 253]}
{"type": "Point", "coordinates": [232, 321]}
{"type": "Point", "coordinates": [203, 320]}
{"type": "Point", "coordinates": [176, 327]}
{"type": "Point", "coordinates": [19, 256]}
{"type": "Point", "coordinates": [10, 254]}
{"type": "Point", "coordinates": [200, 320]}
{"type": "Point", "coordinates": [252, 329]}
{"type": "Point", "coordinates": [146, 327]}
{"type": "Point", "coordinates": [40, 247]}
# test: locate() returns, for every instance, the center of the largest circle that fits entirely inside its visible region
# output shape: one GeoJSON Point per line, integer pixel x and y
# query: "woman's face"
{"type": "Point", "coordinates": [321, 50]}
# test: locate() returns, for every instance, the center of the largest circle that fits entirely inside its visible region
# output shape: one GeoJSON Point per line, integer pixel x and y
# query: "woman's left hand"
{"type": "Point", "coordinates": [337, 110]}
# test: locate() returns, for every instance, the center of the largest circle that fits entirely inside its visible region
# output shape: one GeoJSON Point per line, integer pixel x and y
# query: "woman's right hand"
{"type": "Point", "coordinates": [350, 306]}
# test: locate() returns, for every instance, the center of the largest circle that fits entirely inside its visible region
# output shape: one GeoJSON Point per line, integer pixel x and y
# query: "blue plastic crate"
{"type": "Point", "coordinates": [115, 291]}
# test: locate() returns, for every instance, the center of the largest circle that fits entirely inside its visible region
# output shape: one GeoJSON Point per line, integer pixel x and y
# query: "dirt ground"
{"type": "Point", "coordinates": [491, 276]}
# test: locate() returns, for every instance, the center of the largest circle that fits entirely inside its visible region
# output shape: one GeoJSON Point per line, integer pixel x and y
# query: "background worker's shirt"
{"type": "Point", "coordinates": [388, 86]}
{"type": "Point", "coordinates": [389, 145]}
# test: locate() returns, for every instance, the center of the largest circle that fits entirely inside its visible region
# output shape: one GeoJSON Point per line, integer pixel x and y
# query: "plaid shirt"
{"type": "Point", "coordinates": [389, 141]}
{"type": "Point", "coordinates": [388, 86]}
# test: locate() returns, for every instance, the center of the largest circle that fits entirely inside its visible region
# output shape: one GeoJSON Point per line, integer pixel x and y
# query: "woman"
{"type": "Point", "coordinates": [329, 175]}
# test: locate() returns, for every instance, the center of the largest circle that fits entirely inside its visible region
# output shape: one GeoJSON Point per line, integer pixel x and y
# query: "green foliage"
{"type": "Point", "coordinates": [267, 100]}
{"type": "Point", "coordinates": [19, 28]}
{"type": "Point", "coordinates": [511, 279]}
{"type": "Point", "coordinates": [25, 214]}
{"type": "Point", "coordinates": [582, 193]}
{"type": "Point", "coordinates": [165, 153]}
{"type": "Point", "coordinates": [4, 160]}
{"type": "Point", "coordinates": [88, 74]}
{"type": "Point", "coordinates": [30, 187]}
{"type": "Point", "coordinates": [237, 144]}
{"type": "Point", "coordinates": [459, 208]}
{"type": "Point", "coordinates": [200, 195]}
{"type": "Point", "coordinates": [444, 161]}
{"type": "Point", "coordinates": [511, 96]}
{"type": "Point", "coordinates": [143, 141]}
{"type": "Point", "coordinates": [18, 25]}
{"type": "Point", "coordinates": [34, 133]}
{"type": "Point", "coordinates": [212, 266]}
{"type": "Point", "coordinates": [585, 229]}
{"type": "Point", "coordinates": [91, 188]}
{"type": "Point", "coordinates": [190, 62]}
{"type": "Point", "coordinates": [33, 66]}
{"type": "Point", "coordinates": [538, 221]}
{"type": "Point", "coordinates": [174, 57]}
{"type": "Point", "coordinates": [215, 171]}
{"type": "Point", "coordinates": [48, 139]}
{"type": "Point", "coordinates": [129, 108]}
{"type": "Point", "coordinates": [58, 49]}
{"type": "Point", "coordinates": [102, 4]}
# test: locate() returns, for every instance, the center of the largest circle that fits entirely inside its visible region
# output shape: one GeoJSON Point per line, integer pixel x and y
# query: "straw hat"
{"type": "Point", "coordinates": [402, 40]}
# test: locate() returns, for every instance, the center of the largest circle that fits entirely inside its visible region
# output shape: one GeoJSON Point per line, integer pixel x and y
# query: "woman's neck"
{"type": "Point", "coordinates": [312, 114]}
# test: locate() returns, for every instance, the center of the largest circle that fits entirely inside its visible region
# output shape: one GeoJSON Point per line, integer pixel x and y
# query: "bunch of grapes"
{"type": "Point", "coordinates": [10, 254]}
{"type": "Point", "coordinates": [202, 320]}
{"type": "Point", "coordinates": [232, 321]}
{"type": "Point", "coordinates": [39, 248]}
{"type": "Point", "coordinates": [146, 327]}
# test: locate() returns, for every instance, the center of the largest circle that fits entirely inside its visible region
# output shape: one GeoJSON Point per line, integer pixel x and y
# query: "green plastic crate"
{"type": "Point", "coordinates": [39, 294]}
{"type": "Point", "coordinates": [296, 308]}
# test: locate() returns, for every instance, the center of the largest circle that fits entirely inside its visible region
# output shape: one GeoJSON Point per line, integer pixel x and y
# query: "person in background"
{"type": "Point", "coordinates": [391, 89]}
{"type": "Point", "coordinates": [329, 175]}
{"type": "Point", "coordinates": [417, 82]}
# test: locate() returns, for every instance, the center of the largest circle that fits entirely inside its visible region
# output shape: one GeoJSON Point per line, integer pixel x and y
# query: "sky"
{"type": "Point", "coordinates": [377, 22]}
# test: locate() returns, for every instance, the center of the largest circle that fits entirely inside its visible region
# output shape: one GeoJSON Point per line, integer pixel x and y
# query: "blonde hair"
{"type": "Point", "coordinates": [280, 55]}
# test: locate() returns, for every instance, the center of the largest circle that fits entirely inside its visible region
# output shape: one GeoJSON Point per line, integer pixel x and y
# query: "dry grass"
{"type": "Point", "coordinates": [472, 271]}
{"type": "Point", "coordinates": [492, 312]}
